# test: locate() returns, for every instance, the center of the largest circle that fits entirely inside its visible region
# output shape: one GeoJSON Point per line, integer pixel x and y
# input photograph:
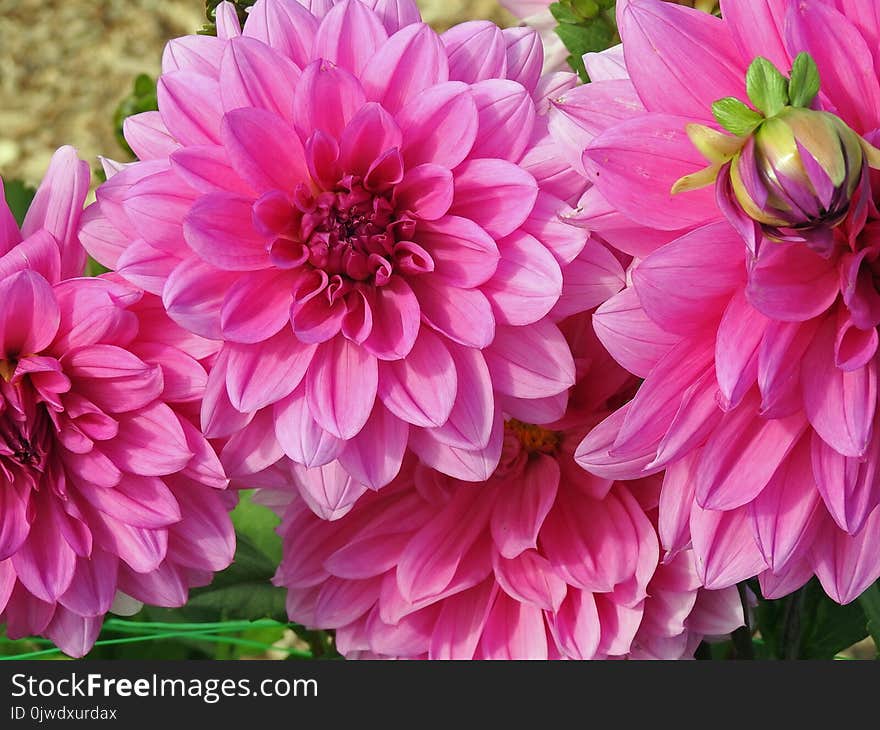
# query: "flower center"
{"type": "Point", "coordinates": [351, 232]}
{"type": "Point", "coordinates": [535, 439]}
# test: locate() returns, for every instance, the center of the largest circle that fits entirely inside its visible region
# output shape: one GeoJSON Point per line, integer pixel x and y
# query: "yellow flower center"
{"type": "Point", "coordinates": [535, 439]}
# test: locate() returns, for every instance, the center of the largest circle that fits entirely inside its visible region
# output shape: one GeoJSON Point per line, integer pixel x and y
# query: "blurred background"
{"type": "Point", "coordinates": [66, 65]}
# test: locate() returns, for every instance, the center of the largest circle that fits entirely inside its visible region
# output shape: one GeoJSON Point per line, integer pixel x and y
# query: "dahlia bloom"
{"type": "Point", "coordinates": [757, 339]}
{"type": "Point", "coordinates": [109, 489]}
{"type": "Point", "coordinates": [542, 560]}
{"type": "Point", "coordinates": [365, 214]}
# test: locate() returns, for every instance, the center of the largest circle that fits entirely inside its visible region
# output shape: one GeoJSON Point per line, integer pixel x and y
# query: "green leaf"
{"type": "Point", "coordinates": [257, 523]}
{"type": "Point", "coordinates": [809, 625]}
{"type": "Point", "coordinates": [870, 602]}
{"type": "Point", "coordinates": [735, 116]}
{"type": "Point", "coordinates": [766, 86]}
{"type": "Point", "coordinates": [243, 591]}
{"type": "Point", "coordinates": [141, 99]}
{"type": "Point", "coordinates": [804, 84]}
{"type": "Point", "coordinates": [18, 198]}
{"type": "Point", "coordinates": [587, 37]}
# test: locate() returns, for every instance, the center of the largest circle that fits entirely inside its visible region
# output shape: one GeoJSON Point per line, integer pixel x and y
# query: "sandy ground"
{"type": "Point", "coordinates": [65, 65]}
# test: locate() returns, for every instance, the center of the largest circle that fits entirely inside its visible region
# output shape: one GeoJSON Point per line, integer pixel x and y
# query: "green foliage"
{"type": "Point", "coordinates": [808, 625]}
{"type": "Point", "coordinates": [585, 26]}
{"type": "Point", "coordinates": [141, 99]}
{"type": "Point", "coordinates": [766, 86]}
{"type": "Point", "coordinates": [735, 116]}
{"type": "Point", "coordinates": [805, 82]}
{"type": "Point", "coordinates": [18, 198]}
{"type": "Point", "coordinates": [870, 603]}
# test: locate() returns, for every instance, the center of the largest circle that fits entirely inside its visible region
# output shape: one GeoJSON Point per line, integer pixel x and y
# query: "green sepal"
{"type": "Point", "coordinates": [735, 116]}
{"type": "Point", "coordinates": [804, 84]}
{"type": "Point", "coordinates": [766, 86]}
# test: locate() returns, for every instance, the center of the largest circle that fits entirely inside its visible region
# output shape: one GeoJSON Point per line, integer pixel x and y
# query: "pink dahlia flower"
{"type": "Point", "coordinates": [365, 214]}
{"type": "Point", "coordinates": [753, 312]}
{"type": "Point", "coordinates": [109, 489]}
{"type": "Point", "coordinates": [542, 560]}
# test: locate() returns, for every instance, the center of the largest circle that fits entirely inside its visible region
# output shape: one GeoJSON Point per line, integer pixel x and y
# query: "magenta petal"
{"type": "Point", "coordinates": [661, 40]}
{"type": "Point", "coordinates": [521, 508]}
{"type": "Point", "coordinates": [193, 296]}
{"type": "Point", "coordinates": [507, 119]}
{"type": "Point", "coordinates": [149, 443]}
{"type": "Point", "coordinates": [205, 539]}
{"type": "Point", "coordinates": [148, 136]}
{"type": "Point", "coordinates": [285, 25]}
{"type": "Point", "coordinates": [329, 490]}
{"type": "Point", "coordinates": [676, 498]}
{"type": "Point", "coordinates": [302, 439]}
{"type": "Point", "coordinates": [73, 634]}
{"type": "Point", "coordinates": [373, 456]}
{"type": "Point", "coordinates": [395, 14]}
{"type": "Point", "coordinates": [633, 339]}
{"type": "Point", "coordinates": [595, 455]}
{"type": "Point", "coordinates": [371, 132]}
{"type": "Point", "coordinates": [463, 315]}
{"type": "Point", "coordinates": [15, 525]}
{"type": "Point", "coordinates": [792, 283]}
{"type": "Point", "coordinates": [685, 285]}
{"type": "Point", "coordinates": [657, 401]}
{"type": "Point", "coordinates": [207, 169]}
{"type": "Point", "coordinates": [840, 52]}
{"type": "Point", "coordinates": [45, 563]}
{"type": "Point", "coordinates": [219, 229]}
{"type": "Point", "coordinates": [432, 556]}
{"type": "Point", "coordinates": [849, 486]}
{"type": "Point", "coordinates": [756, 27]}
{"type": "Point", "coordinates": [29, 317]}
{"type": "Point", "coordinates": [38, 253]}
{"type": "Point", "coordinates": [724, 546]}
{"type": "Point", "coordinates": [341, 387]}
{"type": "Point", "coordinates": [258, 375]}
{"type": "Point", "coordinates": [525, 56]}
{"type": "Point", "coordinates": [739, 338]}
{"type": "Point", "coordinates": [253, 448]}
{"type": "Point", "coordinates": [467, 464]}
{"type": "Point", "coordinates": [421, 388]}
{"type": "Point", "coordinates": [326, 98]}
{"type": "Point", "coordinates": [57, 206]}
{"type": "Point", "coordinates": [349, 36]}
{"type": "Point", "coordinates": [198, 53]}
{"type": "Point", "coordinates": [590, 280]}
{"type": "Point", "coordinates": [93, 586]}
{"type": "Point", "coordinates": [477, 50]}
{"type": "Point", "coordinates": [146, 267]}
{"type": "Point", "coordinates": [426, 190]}
{"type": "Point", "coordinates": [252, 75]}
{"type": "Point", "coordinates": [257, 306]}
{"type": "Point", "coordinates": [138, 501]}
{"type": "Point", "coordinates": [190, 107]}
{"type": "Point", "coordinates": [264, 149]}
{"type": "Point", "coordinates": [846, 565]}
{"type": "Point", "coordinates": [528, 281]}
{"type": "Point", "coordinates": [114, 379]}
{"type": "Point", "coordinates": [495, 194]}
{"type": "Point", "coordinates": [742, 454]}
{"type": "Point", "coordinates": [533, 361]}
{"type": "Point", "coordinates": [530, 578]}
{"type": "Point", "coordinates": [410, 61]}
{"type": "Point", "coordinates": [634, 165]}
{"type": "Point", "coordinates": [840, 404]}
{"type": "Point", "coordinates": [464, 254]}
{"type": "Point", "coordinates": [785, 512]}
{"type": "Point", "coordinates": [439, 125]}
{"type": "Point", "coordinates": [156, 205]}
